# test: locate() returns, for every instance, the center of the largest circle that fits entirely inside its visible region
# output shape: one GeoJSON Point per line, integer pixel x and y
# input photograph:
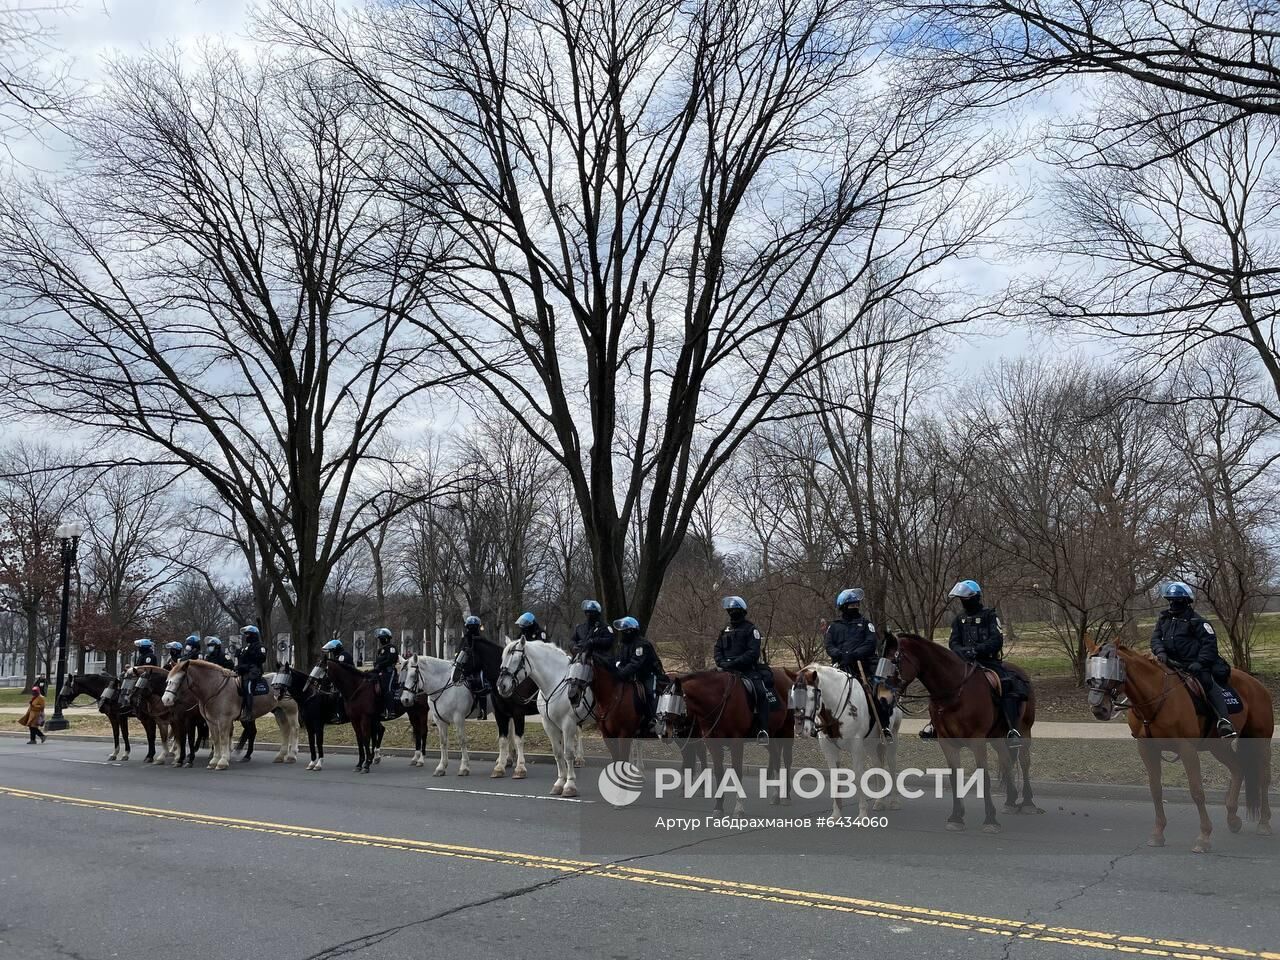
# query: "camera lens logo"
{"type": "Point", "coordinates": [621, 783]}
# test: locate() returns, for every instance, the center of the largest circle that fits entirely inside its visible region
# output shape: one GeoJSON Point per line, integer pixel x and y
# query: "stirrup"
{"type": "Point", "coordinates": [1014, 737]}
{"type": "Point", "coordinates": [1225, 730]}
{"type": "Point", "coordinates": [887, 734]}
{"type": "Point", "coordinates": [762, 737]}
{"type": "Point", "coordinates": [928, 733]}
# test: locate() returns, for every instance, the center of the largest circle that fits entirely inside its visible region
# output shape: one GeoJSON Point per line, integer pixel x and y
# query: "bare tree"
{"type": "Point", "coordinates": [33, 84]}
{"type": "Point", "coordinates": [643, 203]}
{"type": "Point", "coordinates": [220, 281]}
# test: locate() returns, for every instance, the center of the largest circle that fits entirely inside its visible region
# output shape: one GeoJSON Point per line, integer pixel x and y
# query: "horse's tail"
{"type": "Point", "coordinates": [1255, 761]}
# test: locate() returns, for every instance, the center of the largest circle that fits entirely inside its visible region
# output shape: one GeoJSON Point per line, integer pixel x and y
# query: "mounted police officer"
{"type": "Point", "coordinates": [530, 629]}
{"type": "Point", "coordinates": [976, 636]}
{"type": "Point", "coordinates": [1183, 639]}
{"type": "Point", "coordinates": [738, 651]}
{"type": "Point", "coordinates": [215, 653]}
{"type": "Point", "coordinates": [384, 668]}
{"type": "Point", "coordinates": [468, 667]}
{"type": "Point", "coordinates": [640, 662]}
{"type": "Point", "coordinates": [592, 637]}
{"type": "Point", "coordinates": [250, 661]}
{"type": "Point", "coordinates": [144, 653]}
{"type": "Point", "coordinates": [191, 648]}
{"type": "Point", "coordinates": [174, 649]}
{"type": "Point", "coordinates": [334, 650]}
{"type": "Point", "coordinates": [852, 645]}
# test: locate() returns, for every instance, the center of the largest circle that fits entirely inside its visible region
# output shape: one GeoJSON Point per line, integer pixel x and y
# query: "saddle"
{"type": "Point", "coordinates": [752, 681]}
{"type": "Point", "coordinates": [260, 687]}
{"type": "Point", "coordinates": [1229, 695]}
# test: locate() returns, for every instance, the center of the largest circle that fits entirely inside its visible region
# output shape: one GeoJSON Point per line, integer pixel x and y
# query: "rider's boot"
{"type": "Point", "coordinates": [762, 718]}
{"type": "Point", "coordinates": [246, 707]}
{"type": "Point", "coordinates": [482, 701]}
{"type": "Point", "coordinates": [927, 732]}
{"type": "Point", "coordinates": [1011, 710]}
{"type": "Point", "coordinates": [885, 717]}
{"type": "Point", "coordinates": [1224, 728]}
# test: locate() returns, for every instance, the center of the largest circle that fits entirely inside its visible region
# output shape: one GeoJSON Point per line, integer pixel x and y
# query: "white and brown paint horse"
{"type": "Point", "coordinates": [215, 689]}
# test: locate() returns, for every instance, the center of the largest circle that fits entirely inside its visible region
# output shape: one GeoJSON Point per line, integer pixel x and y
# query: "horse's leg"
{"type": "Point", "coordinates": [464, 764]}
{"type": "Point", "coordinates": [952, 755]}
{"type": "Point", "coordinates": [521, 770]}
{"type": "Point", "coordinates": [559, 751]}
{"type": "Point", "coordinates": [573, 741]}
{"type": "Point", "coordinates": [735, 757]}
{"type": "Point", "coordinates": [717, 774]}
{"type": "Point", "coordinates": [1231, 760]}
{"type": "Point", "coordinates": [442, 728]}
{"type": "Point", "coordinates": [1004, 758]}
{"type": "Point", "coordinates": [989, 822]}
{"type": "Point", "coordinates": [1191, 761]}
{"type": "Point", "coordinates": [1024, 761]}
{"type": "Point", "coordinates": [578, 758]}
{"type": "Point", "coordinates": [311, 741]}
{"type": "Point", "coordinates": [320, 745]}
{"type": "Point", "coordinates": [1150, 754]}
{"type": "Point", "coordinates": [831, 751]}
{"type": "Point", "coordinates": [505, 727]}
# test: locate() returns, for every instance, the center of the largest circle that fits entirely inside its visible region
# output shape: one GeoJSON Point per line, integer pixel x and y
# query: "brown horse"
{"type": "Point", "coordinates": [719, 711]}
{"type": "Point", "coordinates": [363, 702]}
{"type": "Point", "coordinates": [186, 725]}
{"type": "Point", "coordinates": [1163, 716]}
{"type": "Point", "coordinates": [215, 690]}
{"type": "Point", "coordinates": [95, 685]}
{"type": "Point", "coordinates": [965, 716]}
{"type": "Point", "coordinates": [144, 701]}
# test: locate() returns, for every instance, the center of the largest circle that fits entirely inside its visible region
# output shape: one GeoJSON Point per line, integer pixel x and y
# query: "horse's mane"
{"type": "Point", "coordinates": [352, 668]}
{"type": "Point", "coordinates": [205, 664]}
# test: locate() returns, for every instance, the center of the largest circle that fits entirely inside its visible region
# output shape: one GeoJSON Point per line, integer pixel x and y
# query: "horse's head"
{"type": "Point", "coordinates": [410, 680]}
{"type": "Point", "coordinates": [805, 700]}
{"type": "Point", "coordinates": [142, 686]}
{"type": "Point", "coordinates": [1104, 676]}
{"type": "Point", "coordinates": [68, 692]}
{"type": "Point", "coordinates": [514, 669]}
{"type": "Point", "coordinates": [578, 679]}
{"type": "Point", "coordinates": [896, 670]}
{"type": "Point", "coordinates": [177, 677]}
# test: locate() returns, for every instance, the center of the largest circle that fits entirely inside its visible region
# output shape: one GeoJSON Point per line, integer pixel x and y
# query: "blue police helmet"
{"type": "Point", "coordinates": [1177, 590]}
{"type": "Point", "coordinates": [591, 606]}
{"type": "Point", "coordinates": [852, 595]}
{"type": "Point", "coordinates": [143, 643]}
{"type": "Point", "coordinates": [626, 623]}
{"type": "Point", "coordinates": [471, 622]}
{"type": "Point", "coordinates": [249, 630]}
{"type": "Point", "coordinates": [526, 619]}
{"type": "Point", "coordinates": [965, 589]}
{"type": "Point", "coordinates": [213, 642]}
{"type": "Point", "coordinates": [334, 644]}
{"type": "Point", "coordinates": [175, 645]}
{"type": "Point", "coordinates": [193, 639]}
{"type": "Point", "coordinates": [733, 603]}
{"type": "Point", "coordinates": [382, 634]}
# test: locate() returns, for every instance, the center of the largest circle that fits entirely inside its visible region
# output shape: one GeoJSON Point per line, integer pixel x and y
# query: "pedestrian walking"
{"type": "Point", "coordinates": [33, 719]}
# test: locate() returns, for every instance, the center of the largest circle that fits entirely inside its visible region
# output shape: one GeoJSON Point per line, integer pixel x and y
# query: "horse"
{"type": "Point", "coordinates": [548, 666]}
{"type": "Point", "coordinates": [363, 701]}
{"type": "Point", "coordinates": [317, 708]}
{"type": "Point", "coordinates": [144, 700]}
{"type": "Point", "coordinates": [836, 706]}
{"type": "Point", "coordinates": [95, 685]}
{"type": "Point", "coordinates": [215, 690]}
{"type": "Point", "coordinates": [187, 727]}
{"type": "Point", "coordinates": [1162, 715]}
{"type": "Point", "coordinates": [508, 711]}
{"type": "Point", "coordinates": [965, 716]}
{"type": "Point", "coordinates": [429, 682]}
{"type": "Point", "coordinates": [719, 710]}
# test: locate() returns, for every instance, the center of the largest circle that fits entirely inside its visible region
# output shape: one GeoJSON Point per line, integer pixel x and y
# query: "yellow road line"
{"type": "Point", "coordinates": [835, 903]}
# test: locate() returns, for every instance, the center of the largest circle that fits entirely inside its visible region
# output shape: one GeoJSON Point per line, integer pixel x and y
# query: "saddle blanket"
{"type": "Point", "coordinates": [261, 688]}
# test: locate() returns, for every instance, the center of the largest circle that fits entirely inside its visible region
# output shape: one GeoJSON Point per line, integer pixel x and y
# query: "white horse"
{"type": "Point", "coordinates": [430, 679]}
{"type": "Point", "coordinates": [548, 666]}
{"type": "Point", "coordinates": [835, 705]}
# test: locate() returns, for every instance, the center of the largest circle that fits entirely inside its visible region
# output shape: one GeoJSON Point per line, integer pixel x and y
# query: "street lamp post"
{"type": "Point", "coordinates": [68, 535]}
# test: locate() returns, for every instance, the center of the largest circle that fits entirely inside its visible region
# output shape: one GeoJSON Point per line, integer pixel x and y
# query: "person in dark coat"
{"type": "Point", "coordinates": [191, 648]}
{"type": "Point", "coordinates": [468, 667]}
{"type": "Point", "coordinates": [251, 658]}
{"type": "Point", "coordinates": [640, 662]}
{"type": "Point", "coordinates": [1183, 639]}
{"type": "Point", "coordinates": [33, 719]}
{"type": "Point", "coordinates": [853, 646]}
{"type": "Point", "coordinates": [384, 668]}
{"type": "Point", "coordinates": [738, 650]}
{"type": "Point", "coordinates": [976, 636]}
{"type": "Point", "coordinates": [592, 637]}
{"type": "Point", "coordinates": [530, 629]}
{"type": "Point", "coordinates": [215, 653]}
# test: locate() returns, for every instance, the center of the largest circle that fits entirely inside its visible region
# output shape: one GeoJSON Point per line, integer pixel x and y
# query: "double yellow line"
{"type": "Point", "coordinates": [783, 896]}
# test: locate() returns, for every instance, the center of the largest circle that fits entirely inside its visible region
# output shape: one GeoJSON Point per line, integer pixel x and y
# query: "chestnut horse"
{"type": "Point", "coordinates": [363, 703]}
{"type": "Point", "coordinates": [719, 710]}
{"type": "Point", "coordinates": [965, 716]}
{"type": "Point", "coordinates": [94, 685]}
{"type": "Point", "coordinates": [144, 700]}
{"type": "Point", "coordinates": [216, 691]}
{"type": "Point", "coordinates": [1162, 716]}
{"type": "Point", "coordinates": [186, 725]}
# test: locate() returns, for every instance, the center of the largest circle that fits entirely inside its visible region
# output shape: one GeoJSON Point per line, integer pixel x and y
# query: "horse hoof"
{"type": "Point", "coordinates": [579, 761]}
{"type": "Point", "coordinates": [520, 773]}
{"type": "Point", "coordinates": [1234, 824]}
{"type": "Point", "coordinates": [378, 758]}
{"type": "Point", "coordinates": [278, 760]}
{"type": "Point", "coordinates": [1029, 808]}
{"type": "Point", "coordinates": [955, 825]}
{"type": "Point", "coordinates": [125, 758]}
{"type": "Point", "coordinates": [991, 828]}
{"type": "Point", "coordinates": [464, 772]}
{"type": "Point", "coordinates": [290, 759]}
{"type": "Point", "coordinates": [311, 765]}
{"type": "Point", "coordinates": [1264, 829]}
{"type": "Point", "coordinates": [1010, 808]}
{"type": "Point", "coordinates": [497, 773]}
{"type": "Point", "coordinates": [438, 772]}
{"type": "Point", "coordinates": [1201, 847]}
{"type": "Point", "coordinates": [557, 790]}
{"type": "Point", "coordinates": [1156, 842]}
{"type": "Point", "coordinates": [570, 791]}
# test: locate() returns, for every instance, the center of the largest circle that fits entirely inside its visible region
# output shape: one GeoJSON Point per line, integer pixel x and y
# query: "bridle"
{"type": "Point", "coordinates": [411, 684]}
{"type": "Point", "coordinates": [899, 690]}
{"type": "Point", "coordinates": [520, 673]}
{"type": "Point", "coordinates": [1105, 676]}
{"type": "Point", "coordinates": [806, 700]}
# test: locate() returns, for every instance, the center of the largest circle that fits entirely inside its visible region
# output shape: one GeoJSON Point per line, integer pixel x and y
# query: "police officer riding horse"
{"type": "Point", "coordinates": [639, 663]}
{"type": "Point", "coordinates": [738, 651]}
{"type": "Point", "coordinates": [468, 666]}
{"type": "Point", "coordinates": [976, 637]}
{"type": "Point", "coordinates": [853, 646]}
{"type": "Point", "coordinates": [384, 668]}
{"type": "Point", "coordinates": [1185, 641]}
{"type": "Point", "coordinates": [251, 659]}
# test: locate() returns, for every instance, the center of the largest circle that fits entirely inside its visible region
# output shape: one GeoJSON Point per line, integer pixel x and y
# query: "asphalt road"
{"type": "Point", "coordinates": [269, 861]}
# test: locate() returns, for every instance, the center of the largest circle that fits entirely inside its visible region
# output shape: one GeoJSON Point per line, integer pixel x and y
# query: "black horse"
{"type": "Point", "coordinates": [317, 707]}
{"type": "Point", "coordinates": [94, 685]}
{"type": "Point", "coordinates": [506, 710]}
